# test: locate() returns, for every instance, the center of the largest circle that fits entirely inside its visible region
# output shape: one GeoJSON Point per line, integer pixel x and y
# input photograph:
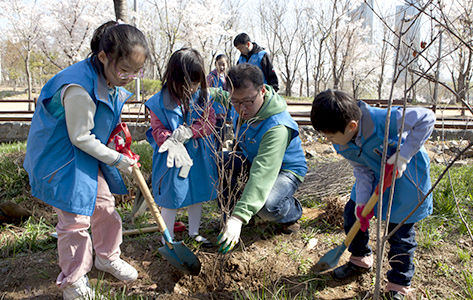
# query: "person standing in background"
{"type": "Point", "coordinates": [253, 54]}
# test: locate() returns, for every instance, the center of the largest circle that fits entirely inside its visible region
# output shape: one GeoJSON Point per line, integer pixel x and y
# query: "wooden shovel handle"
{"type": "Point", "coordinates": [149, 199]}
{"type": "Point", "coordinates": [388, 176]}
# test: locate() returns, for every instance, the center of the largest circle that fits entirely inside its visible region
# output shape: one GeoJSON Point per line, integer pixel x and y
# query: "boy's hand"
{"type": "Point", "coordinates": [401, 164]}
{"type": "Point", "coordinates": [364, 221]}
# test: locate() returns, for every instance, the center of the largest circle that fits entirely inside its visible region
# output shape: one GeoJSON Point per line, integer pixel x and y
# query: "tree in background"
{"type": "Point", "coordinates": [121, 10]}
{"type": "Point", "coordinates": [71, 27]}
{"type": "Point", "coordinates": [24, 31]}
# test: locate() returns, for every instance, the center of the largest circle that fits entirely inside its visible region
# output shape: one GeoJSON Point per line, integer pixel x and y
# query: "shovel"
{"type": "Point", "coordinates": [175, 252]}
{"type": "Point", "coordinates": [331, 258]}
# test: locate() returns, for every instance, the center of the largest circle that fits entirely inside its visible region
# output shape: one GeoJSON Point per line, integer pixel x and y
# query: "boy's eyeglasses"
{"type": "Point", "coordinates": [246, 103]}
{"type": "Point", "coordinates": [121, 75]}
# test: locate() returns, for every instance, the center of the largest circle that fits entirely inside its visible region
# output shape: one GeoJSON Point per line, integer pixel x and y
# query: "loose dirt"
{"type": "Point", "coordinates": [267, 262]}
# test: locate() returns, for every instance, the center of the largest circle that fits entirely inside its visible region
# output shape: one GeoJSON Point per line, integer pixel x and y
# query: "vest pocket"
{"type": "Point", "coordinates": [53, 174]}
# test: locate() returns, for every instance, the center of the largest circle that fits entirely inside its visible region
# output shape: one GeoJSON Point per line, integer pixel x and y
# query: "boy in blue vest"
{"type": "Point", "coordinates": [272, 152]}
{"type": "Point", "coordinates": [253, 54]}
{"type": "Point", "coordinates": [357, 133]}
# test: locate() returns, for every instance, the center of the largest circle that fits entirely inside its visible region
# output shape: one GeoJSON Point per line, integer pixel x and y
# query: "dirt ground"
{"type": "Point", "coordinates": [265, 261]}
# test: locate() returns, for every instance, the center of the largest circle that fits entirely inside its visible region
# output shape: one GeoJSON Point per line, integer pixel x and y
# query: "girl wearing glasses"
{"type": "Point", "coordinates": [181, 133]}
{"type": "Point", "coordinates": [69, 164]}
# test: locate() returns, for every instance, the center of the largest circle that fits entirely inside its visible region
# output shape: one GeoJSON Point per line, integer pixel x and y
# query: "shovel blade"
{"type": "Point", "coordinates": [181, 257]}
{"type": "Point", "coordinates": [330, 259]}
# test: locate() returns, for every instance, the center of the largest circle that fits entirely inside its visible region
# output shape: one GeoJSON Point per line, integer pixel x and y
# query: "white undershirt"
{"type": "Point", "coordinates": [80, 111]}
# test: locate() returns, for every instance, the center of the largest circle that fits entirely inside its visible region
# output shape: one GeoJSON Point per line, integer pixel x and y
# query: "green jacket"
{"type": "Point", "coordinates": [267, 164]}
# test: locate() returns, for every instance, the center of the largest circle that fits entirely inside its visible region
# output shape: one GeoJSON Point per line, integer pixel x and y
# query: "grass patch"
{"type": "Point", "coordinates": [457, 184]}
{"type": "Point", "coordinates": [32, 236]}
{"type": "Point", "coordinates": [13, 177]}
{"type": "Point", "coordinates": [145, 151]}
{"type": "Point", "coordinates": [12, 147]}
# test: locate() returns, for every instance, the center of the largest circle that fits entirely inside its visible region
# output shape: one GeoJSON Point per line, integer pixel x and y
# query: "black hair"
{"type": "Point", "coordinates": [241, 39]}
{"type": "Point", "coordinates": [242, 75]}
{"type": "Point", "coordinates": [220, 56]}
{"type": "Point", "coordinates": [185, 66]}
{"type": "Point", "coordinates": [333, 110]}
{"type": "Point", "coordinates": [117, 41]}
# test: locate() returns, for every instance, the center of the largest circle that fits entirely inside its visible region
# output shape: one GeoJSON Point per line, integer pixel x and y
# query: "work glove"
{"type": "Point", "coordinates": [364, 221]}
{"type": "Point", "coordinates": [117, 143]}
{"type": "Point", "coordinates": [177, 154]}
{"type": "Point", "coordinates": [125, 164]}
{"type": "Point", "coordinates": [182, 133]}
{"type": "Point", "coordinates": [401, 164]}
{"type": "Point", "coordinates": [230, 234]}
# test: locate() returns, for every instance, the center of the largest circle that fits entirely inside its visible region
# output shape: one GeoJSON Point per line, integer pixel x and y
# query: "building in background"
{"type": "Point", "coordinates": [407, 28]}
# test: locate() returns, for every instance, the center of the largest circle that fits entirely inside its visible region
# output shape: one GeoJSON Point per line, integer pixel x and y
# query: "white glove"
{"type": "Point", "coordinates": [126, 164]}
{"type": "Point", "coordinates": [230, 234]}
{"type": "Point", "coordinates": [182, 133]}
{"type": "Point", "coordinates": [177, 154]}
{"type": "Point", "coordinates": [401, 164]}
{"type": "Point", "coordinates": [117, 143]}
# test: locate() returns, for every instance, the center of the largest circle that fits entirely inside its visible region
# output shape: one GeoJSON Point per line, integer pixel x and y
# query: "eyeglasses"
{"type": "Point", "coordinates": [246, 103]}
{"type": "Point", "coordinates": [121, 75]}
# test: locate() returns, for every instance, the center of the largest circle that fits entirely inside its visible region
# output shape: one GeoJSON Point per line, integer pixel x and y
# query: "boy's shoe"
{"type": "Point", "coordinates": [203, 241]}
{"type": "Point", "coordinates": [80, 289]}
{"type": "Point", "coordinates": [392, 295]}
{"type": "Point", "coordinates": [349, 270]}
{"type": "Point", "coordinates": [289, 228]}
{"type": "Point", "coordinates": [119, 268]}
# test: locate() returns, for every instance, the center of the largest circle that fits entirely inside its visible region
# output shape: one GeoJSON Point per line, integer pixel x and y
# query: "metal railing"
{"type": "Point", "coordinates": [136, 112]}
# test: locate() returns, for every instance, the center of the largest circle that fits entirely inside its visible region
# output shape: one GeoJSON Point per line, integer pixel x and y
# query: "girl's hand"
{"type": "Point", "coordinates": [182, 133]}
{"type": "Point", "coordinates": [125, 164]}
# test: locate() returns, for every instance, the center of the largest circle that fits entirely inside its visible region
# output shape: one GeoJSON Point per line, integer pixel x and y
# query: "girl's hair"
{"type": "Point", "coordinates": [332, 110]}
{"type": "Point", "coordinates": [117, 41]}
{"type": "Point", "coordinates": [220, 56]}
{"type": "Point", "coordinates": [185, 66]}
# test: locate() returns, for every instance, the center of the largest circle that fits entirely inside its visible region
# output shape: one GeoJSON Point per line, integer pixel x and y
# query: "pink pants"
{"type": "Point", "coordinates": [74, 242]}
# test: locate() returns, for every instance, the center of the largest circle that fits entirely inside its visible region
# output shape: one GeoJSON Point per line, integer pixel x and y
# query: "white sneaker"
{"type": "Point", "coordinates": [118, 268]}
{"type": "Point", "coordinates": [80, 289]}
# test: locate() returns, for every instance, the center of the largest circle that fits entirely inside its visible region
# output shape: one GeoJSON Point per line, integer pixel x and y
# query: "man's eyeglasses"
{"type": "Point", "coordinates": [246, 103]}
{"type": "Point", "coordinates": [121, 75]}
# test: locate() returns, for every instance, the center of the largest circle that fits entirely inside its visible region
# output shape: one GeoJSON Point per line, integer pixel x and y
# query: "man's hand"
{"type": "Point", "coordinates": [230, 234]}
{"type": "Point", "coordinates": [182, 133]}
{"type": "Point", "coordinates": [364, 221]}
{"type": "Point", "coordinates": [401, 164]}
{"type": "Point", "coordinates": [177, 153]}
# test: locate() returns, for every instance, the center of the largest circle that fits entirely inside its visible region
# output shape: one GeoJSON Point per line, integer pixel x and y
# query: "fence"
{"type": "Point", "coordinates": [448, 117]}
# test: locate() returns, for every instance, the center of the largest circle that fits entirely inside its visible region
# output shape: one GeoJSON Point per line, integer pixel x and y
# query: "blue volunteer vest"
{"type": "Point", "coordinates": [415, 181]}
{"type": "Point", "coordinates": [61, 174]}
{"type": "Point", "coordinates": [254, 59]}
{"type": "Point", "coordinates": [216, 82]}
{"type": "Point", "coordinates": [250, 136]}
{"type": "Point", "coordinates": [170, 190]}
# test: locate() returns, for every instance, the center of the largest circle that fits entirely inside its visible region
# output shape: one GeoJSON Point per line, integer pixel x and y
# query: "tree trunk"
{"type": "Point", "coordinates": [301, 88]}
{"type": "Point", "coordinates": [28, 77]}
{"type": "Point", "coordinates": [121, 10]}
